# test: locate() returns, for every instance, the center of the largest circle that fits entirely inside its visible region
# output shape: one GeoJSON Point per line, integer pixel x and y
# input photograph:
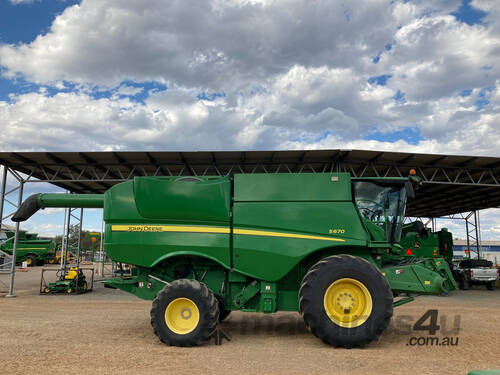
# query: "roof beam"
{"type": "Point", "coordinates": [153, 161]}
{"type": "Point", "coordinates": [186, 164]}
{"type": "Point", "coordinates": [94, 163]}
{"type": "Point", "coordinates": [438, 160]}
{"type": "Point", "coordinates": [466, 162]}
{"type": "Point", "coordinates": [376, 158]}
{"type": "Point", "coordinates": [24, 159]}
{"type": "Point", "coordinates": [124, 163]}
{"type": "Point", "coordinates": [58, 160]}
{"type": "Point", "coordinates": [407, 159]}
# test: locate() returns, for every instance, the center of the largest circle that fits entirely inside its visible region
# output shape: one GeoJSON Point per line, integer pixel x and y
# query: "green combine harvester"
{"type": "Point", "coordinates": [30, 248]}
{"type": "Point", "coordinates": [325, 244]}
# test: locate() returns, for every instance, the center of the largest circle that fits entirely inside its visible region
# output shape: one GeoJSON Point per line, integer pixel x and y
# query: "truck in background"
{"type": "Point", "coordinates": [469, 272]}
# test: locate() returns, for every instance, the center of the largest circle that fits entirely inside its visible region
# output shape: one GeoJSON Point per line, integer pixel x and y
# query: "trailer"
{"type": "Point", "coordinates": [323, 244]}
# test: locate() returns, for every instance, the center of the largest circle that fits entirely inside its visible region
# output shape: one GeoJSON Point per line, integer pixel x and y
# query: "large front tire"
{"type": "Point", "coordinates": [184, 313]}
{"type": "Point", "coordinates": [345, 301]}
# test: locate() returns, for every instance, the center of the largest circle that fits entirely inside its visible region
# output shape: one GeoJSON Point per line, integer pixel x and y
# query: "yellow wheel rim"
{"type": "Point", "coordinates": [182, 316]}
{"type": "Point", "coordinates": [69, 290]}
{"type": "Point", "coordinates": [348, 303]}
{"type": "Point", "coordinates": [28, 261]}
{"type": "Point", "coordinates": [46, 290]}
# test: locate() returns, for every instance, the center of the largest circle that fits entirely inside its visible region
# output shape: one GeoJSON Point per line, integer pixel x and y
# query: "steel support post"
{"type": "Point", "coordinates": [478, 232]}
{"type": "Point", "coordinates": [64, 252]}
{"type": "Point", "coordinates": [472, 228]}
{"type": "Point", "coordinates": [79, 238]}
{"type": "Point", "coordinates": [467, 235]}
{"type": "Point", "coordinates": [4, 257]}
{"type": "Point", "coordinates": [63, 239]}
{"type": "Point", "coordinates": [2, 196]}
{"type": "Point", "coordinates": [101, 251]}
{"type": "Point", "coordinates": [14, 249]}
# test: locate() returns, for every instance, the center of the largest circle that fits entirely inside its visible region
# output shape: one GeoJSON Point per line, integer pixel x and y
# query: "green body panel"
{"type": "Point", "coordinates": [317, 219]}
{"type": "Point", "coordinates": [28, 244]}
{"type": "Point", "coordinates": [288, 187]}
{"type": "Point", "coordinates": [71, 200]}
{"type": "Point", "coordinates": [251, 240]}
{"type": "Point", "coordinates": [147, 249]}
{"type": "Point", "coordinates": [437, 244]}
{"type": "Point", "coordinates": [183, 199]}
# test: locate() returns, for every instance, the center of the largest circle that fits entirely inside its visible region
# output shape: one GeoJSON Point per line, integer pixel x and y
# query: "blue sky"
{"type": "Point", "coordinates": [22, 23]}
{"type": "Point", "coordinates": [100, 75]}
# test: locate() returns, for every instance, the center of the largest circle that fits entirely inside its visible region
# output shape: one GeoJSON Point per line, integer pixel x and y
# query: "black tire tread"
{"type": "Point", "coordinates": [305, 294]}
{"type": "Point", "coordinates": [209, 312]}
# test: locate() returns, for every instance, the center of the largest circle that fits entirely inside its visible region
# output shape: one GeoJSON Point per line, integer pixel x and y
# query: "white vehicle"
{"type": "Point", "coordinates": [470, 272]}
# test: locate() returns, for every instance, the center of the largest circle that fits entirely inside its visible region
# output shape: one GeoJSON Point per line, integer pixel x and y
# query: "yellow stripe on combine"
{"type": "Point", "coordinates": [31, 248]}
{"type": "Point", "coordinates": [168, 228]}
{"type": "Point", "coordinates": [217, 230]}
{"type": "Point", "coordinates": [286, 235]}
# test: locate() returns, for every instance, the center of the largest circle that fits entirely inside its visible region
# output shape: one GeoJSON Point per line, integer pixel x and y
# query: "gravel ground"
{"type": "Point", "coordinates": [108, 331]}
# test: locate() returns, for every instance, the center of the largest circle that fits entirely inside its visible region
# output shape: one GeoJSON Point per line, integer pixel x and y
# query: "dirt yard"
{"type": "Point", "coordinates": [108, 332]}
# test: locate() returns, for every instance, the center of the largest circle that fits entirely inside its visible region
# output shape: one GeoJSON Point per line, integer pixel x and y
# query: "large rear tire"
{"type": "Point", "coordinates": [185, 313]}
{"type": "Point", "coordinates": [345, 301]}
{"type": "Point", "coordinates": [491, 285]}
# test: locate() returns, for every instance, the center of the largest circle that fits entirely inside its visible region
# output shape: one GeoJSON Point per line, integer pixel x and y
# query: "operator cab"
{"type": "Point", "coordinates": [381, 204]}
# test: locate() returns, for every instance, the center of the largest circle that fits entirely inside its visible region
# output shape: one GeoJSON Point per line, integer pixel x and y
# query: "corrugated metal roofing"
{"type": "Point", "coordinates": [452, 183]}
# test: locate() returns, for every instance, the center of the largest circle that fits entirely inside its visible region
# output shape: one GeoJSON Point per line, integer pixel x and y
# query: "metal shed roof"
{"type": "Point", "coordinates": [452, 183]}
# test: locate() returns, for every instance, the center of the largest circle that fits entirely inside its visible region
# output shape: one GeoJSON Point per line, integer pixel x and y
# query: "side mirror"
{"type": "Point", "coordinates": [419, 227]}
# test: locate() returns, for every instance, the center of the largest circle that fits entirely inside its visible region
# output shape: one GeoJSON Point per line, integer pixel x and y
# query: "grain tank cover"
{"type": "Point", "coordinates": [292, 187]}
{"type": "Point", "coordinates": [183, 198]}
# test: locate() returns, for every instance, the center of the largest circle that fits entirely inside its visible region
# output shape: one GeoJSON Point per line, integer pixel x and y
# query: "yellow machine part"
{"type": "Point", "coordinates": [72, 273]}
{"type": "Point", "coordinates": [348, 303]}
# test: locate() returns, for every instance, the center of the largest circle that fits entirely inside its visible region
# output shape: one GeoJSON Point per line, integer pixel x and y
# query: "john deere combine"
{"type": "Point", "coordinates": [30, 248]}
{"type": "Point", "coordinates": [325, 245]}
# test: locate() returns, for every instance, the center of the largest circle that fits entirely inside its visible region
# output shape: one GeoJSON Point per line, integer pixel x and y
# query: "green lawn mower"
{"type": "Point", "coordinates": [70, 281]}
